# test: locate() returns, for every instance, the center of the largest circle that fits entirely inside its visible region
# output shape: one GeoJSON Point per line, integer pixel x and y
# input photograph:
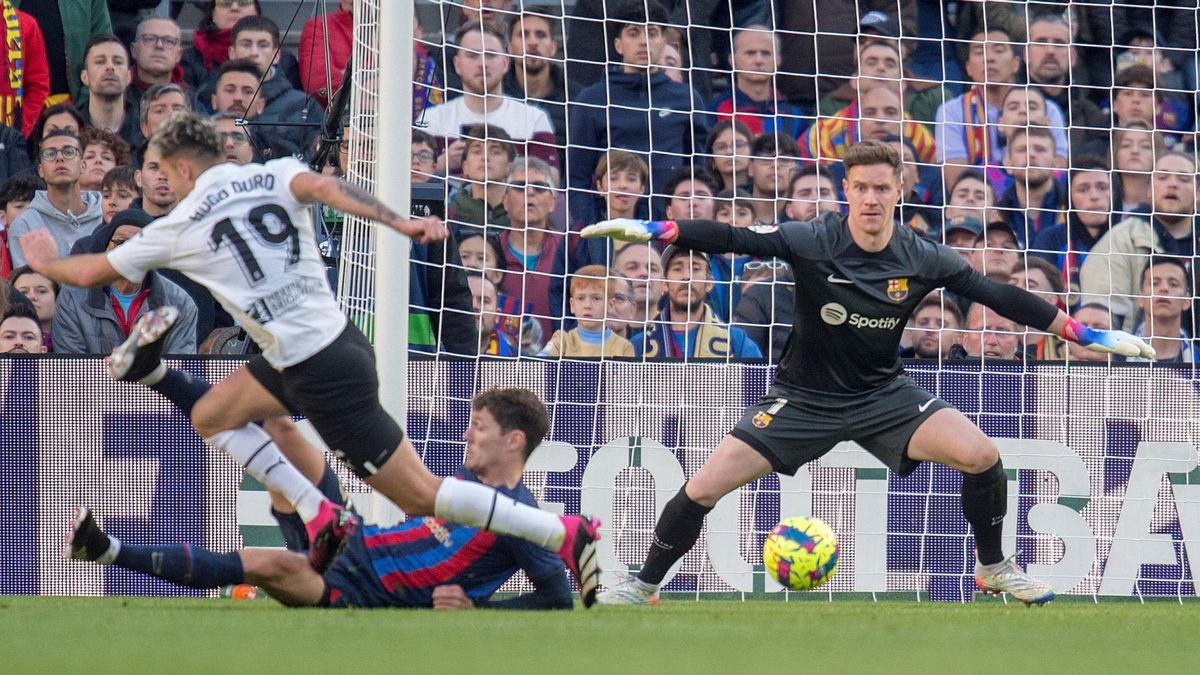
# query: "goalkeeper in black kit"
{"type": "Point", "coordinates": [858, 278]}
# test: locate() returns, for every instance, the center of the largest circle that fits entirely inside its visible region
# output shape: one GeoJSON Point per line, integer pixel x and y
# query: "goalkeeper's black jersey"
{"type": "Point", "coordinates": [851, 305]}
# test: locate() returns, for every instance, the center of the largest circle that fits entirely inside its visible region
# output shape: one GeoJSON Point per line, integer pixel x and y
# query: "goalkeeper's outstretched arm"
{"type": "Point", "coordinates": [1027, 309]}
{"type": "Point", "coordinates": [698, 235]}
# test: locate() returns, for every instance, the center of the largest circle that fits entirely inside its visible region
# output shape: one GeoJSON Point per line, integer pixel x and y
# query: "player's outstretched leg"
{"type": "Point", "coordinates": [732, 465]}
{"type": "Point", "coordinates": [139, 359]}
{"type": "Point", "coordinates": [283, 574]}
{"type": "Point", "coordinates": [949, 438]}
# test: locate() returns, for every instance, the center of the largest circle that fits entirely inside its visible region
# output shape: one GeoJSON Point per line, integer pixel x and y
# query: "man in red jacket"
{"type": "Point", "coordinates": [27, 84]}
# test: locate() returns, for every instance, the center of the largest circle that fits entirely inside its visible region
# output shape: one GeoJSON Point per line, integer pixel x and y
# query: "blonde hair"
{"type": "Point", "coordinates": [185, 133]}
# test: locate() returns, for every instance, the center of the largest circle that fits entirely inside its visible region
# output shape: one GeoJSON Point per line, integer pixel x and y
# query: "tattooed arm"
{"type": "Point", "coordinates": [351, 199]}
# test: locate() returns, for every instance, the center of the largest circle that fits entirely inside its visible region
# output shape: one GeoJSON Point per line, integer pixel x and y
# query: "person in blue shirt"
{"type": "Point", "coordinates": [686, 327]}
{"type": "Point", "coordinates": [634, 103]}
{"type": "Point", "coordinates": [425, 562]}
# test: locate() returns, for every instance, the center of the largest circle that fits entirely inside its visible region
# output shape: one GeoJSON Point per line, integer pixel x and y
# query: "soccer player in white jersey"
{"type": "Point", "coordinates": [245, 232]}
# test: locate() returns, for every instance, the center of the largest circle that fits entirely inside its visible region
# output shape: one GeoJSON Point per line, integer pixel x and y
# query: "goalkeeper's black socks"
{"type": "Point", "coordinates": [183, 564]}
{"type": "Point", "coordinates": [984, 503]}
{"type": "Point", "coordinates": [181, 388]}
{"type": "Point", "coordinates": [675, 534]}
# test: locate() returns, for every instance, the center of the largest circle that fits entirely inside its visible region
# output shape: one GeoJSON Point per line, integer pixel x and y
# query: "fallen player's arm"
{"type": "Point", "coordinates": [552, 592]}
{"type": "Point", "coordinates": [709, 236]}
{"type": "Point", "coordinates": [348, 198]}
{"type": "Point", "coordinates": [85, 271]}
{"type": "Point", "coordinates": [1027, 309]}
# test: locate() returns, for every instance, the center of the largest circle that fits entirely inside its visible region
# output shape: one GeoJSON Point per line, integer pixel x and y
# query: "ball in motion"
{"type": "Point", "coordinates": [801, 553]}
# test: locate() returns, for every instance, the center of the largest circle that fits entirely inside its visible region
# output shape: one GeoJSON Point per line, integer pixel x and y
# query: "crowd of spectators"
{"type": "Point", "coordinates": [1052, 145]}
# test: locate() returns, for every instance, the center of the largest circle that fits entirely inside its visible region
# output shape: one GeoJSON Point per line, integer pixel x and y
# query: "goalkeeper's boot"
{"type": "Point", "coordinates": [328, 534]}
{"type": "Point", "coordinates": [140, 355]}
{"type": "Point", "coordinates": [578, 551]}
{"type": "Point", "coordinates": [87, 541]}
{"type": "Point", "coordinates": [629, 591]}
{"type": "Point", "coordinates": [1006, 577]}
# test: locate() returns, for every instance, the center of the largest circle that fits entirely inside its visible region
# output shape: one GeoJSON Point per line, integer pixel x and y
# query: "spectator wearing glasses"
{"type": "Point", "coordinates": [767, 307]}
{"type": "Point", "coordinates": [63, 209]}
{"type": "Point", "coordinates": [159, 101]}
{"type": "Point", "coordinates": [533, 245]}
{"type": "Point", "coordinates": [157, 48]}
{"type": "Point", "coordinates": [424, 156]}
{"type": "Point", "coordinates": [235, 140]}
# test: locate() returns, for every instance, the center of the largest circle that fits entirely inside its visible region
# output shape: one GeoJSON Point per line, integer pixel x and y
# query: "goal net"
{"type": "Point", "coordinates": [1051, 146]}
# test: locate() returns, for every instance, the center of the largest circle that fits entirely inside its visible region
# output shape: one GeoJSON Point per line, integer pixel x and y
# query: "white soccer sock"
{"type": "Point", "coordinates": [253, 448]}
{"type": "Point", "coordinates": [480, 506]}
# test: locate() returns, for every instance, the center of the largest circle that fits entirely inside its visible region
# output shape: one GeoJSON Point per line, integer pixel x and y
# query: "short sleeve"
{"type": "Point", "coordinates": [151, 249]}
{"type": "Point", "coordinates": [286, 169]}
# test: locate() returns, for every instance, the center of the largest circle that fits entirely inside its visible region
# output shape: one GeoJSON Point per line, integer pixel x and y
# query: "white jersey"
{"type": "Point", "coordinates": [243, 235]}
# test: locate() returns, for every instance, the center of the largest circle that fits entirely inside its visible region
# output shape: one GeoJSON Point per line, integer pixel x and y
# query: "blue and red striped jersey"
{"type": "Point", "coordinates": [418, 555]}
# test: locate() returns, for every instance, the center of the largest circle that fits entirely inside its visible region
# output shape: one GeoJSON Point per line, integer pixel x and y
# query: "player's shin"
{"type": "Point", "coordinates": [183, 564]}
{"type": "Point", "coordinates": [675, 534]}
{"type": "Point", "coordinates": [482, 507]}
{"type": "Point", "coordinates": [253, 449]}
{"type": "Point", "coordinates": [984, 504]}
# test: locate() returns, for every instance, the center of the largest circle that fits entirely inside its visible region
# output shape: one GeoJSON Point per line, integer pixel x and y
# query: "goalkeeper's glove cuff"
{"type": "Point", "coordinates": [1076, 332]}
{"type": "Point", "coordinates": [663, 230]}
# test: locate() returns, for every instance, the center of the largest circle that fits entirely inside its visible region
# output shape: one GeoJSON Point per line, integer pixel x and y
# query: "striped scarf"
{"type": "Point", "coordinates": [975, 115]}
{"type": "Point", "coordinates": [16, 62]}
{"type": "Point", "coordinates": [427, 89]}
{"type": "Point", "coordinates": [830, 137]}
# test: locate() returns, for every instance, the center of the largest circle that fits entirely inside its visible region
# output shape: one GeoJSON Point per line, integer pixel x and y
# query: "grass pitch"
{"type": "Point", "coordinates": [110, 635]}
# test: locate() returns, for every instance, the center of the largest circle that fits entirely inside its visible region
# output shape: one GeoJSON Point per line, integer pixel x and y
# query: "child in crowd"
{"type": "Point", "coordinates": [591, 290]}
{"type": "Point", "coordinates": [118, 189]}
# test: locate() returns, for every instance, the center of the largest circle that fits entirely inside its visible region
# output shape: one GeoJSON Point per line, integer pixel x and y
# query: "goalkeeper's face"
{"type": "Point", "coordinates": [872, 191]}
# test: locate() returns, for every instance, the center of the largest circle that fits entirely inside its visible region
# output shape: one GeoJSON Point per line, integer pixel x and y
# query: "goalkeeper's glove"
{"type": "Point", "coordinates": [632, 229]}
{"type": "Point", "coordinates": [1107, 341]}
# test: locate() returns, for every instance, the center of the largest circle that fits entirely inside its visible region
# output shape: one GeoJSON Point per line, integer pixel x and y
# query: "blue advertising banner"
{"type": "Point", "coordinates": [1104, 492]}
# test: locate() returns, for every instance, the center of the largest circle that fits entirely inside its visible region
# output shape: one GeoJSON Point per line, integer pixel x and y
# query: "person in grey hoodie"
{"type": "Point", "coordinates": [94, 320]}
{"type": "Point", "coordinates": [63, 209]}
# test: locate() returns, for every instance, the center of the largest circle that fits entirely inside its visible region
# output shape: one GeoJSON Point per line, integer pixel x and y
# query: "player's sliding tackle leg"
{"type": "Point", "coordinates": [948, 437]}
{"type": "Point", "coordinates": [138, 359]}
{"type": "Point", "coordinates": [286, 575]}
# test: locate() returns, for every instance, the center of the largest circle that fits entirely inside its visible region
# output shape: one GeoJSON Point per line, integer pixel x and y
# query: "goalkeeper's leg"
{"type": "Point", "coordinates": [732, 465]}
{"type": "Point", "coordinates": [949, 438]}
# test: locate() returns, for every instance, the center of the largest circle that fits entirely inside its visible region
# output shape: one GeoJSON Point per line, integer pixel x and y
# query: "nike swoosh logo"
{"type": "Point", "coordinates": [835, 280]}
{"type": "Point", "coordinates": [925, 406]}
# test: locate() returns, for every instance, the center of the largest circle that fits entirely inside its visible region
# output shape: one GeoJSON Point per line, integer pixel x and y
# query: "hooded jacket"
{"type": "Point", "coordinates": [285, 105]}
{"type": "Point", "coordinates": [65, 228]}
{"type": "Point", "coordinates": [86, 320]}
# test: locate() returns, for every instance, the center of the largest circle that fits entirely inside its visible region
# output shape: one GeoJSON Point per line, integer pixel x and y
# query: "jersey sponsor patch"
{"type": "Point", "coordinates": [834, 314]}
{"type": "Point", "coordinates": [897, 289]}
{"type": "Point", "coordinates": [763, 228]}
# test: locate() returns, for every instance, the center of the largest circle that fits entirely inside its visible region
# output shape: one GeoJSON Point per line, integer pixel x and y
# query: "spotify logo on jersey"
{"type": "Point", "coordinates": [833, 314]}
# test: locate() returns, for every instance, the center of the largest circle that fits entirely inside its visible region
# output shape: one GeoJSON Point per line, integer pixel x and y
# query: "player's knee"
{"type": "Point", "coordinates": [206, 418]}
{"type": "Point", "coordinates": [981, 455]}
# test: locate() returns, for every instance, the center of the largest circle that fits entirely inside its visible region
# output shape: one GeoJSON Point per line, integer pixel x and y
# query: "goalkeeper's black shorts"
{"type": "Point", "coordinates": [791, 428]}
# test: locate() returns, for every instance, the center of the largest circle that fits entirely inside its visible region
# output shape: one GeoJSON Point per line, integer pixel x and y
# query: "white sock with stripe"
{"type": "Point", "coordinates": [479, 506]}
{"type": "Point", "coordinates": [253, 449]}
